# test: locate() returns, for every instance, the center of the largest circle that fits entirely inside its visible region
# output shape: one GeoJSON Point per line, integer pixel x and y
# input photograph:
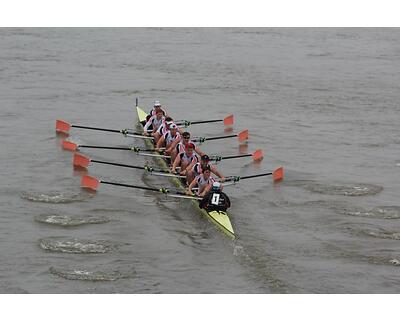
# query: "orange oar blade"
{"type": "Point", "coordinates": [68, 145]}
{"type": "Point", "coordinates": [258, 155]}
{"type": "Point", "coordinates": [80, 160]}
{"type": "Point", "coordinates": [278, 174]}
{"type": "Point", "coordinates": [244, 135]}
{"type": "Point", "coordinates": [90, 182]}
{"type": "Point", "coordinates": [228, 121]}
{"type": "Point", "coordinates": [62, 126]}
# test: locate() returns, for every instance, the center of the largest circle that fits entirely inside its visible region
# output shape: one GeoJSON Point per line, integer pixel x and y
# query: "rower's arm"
{"type": "Point", "coordinates": [217, 173]}
{"type": "Point", "coordinates": [199, 152]}
{"type": "Point", "coordinates": [160, 142]}
{"type": "Point", "coordinates": [176, 163]}
{"type": "Point", "coordinates": [147, 125]}
{"type": "Point", "coordinates": [205, 191]}
{"type": "Point", "coordinates": [192, 185]}
{"type": "Point", "coordinates": [175, 142]}
{"type": "Point", "coordinates": [190, 166]}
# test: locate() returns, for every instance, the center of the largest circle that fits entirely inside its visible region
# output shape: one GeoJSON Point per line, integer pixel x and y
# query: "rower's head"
{"type": "Point", "coordinates": [216, 186]}
{"type": "Point", "coordinates": [173, 128]}
{"type": "Point", "coordinates": [206, 169]}
{"type": "Point", "coordinates": [186, 137]}
{"type": "Point", "coordinates": [157, 105]}
{"type": "Point", "coordinates": [168, 122]}
{"type": "Point", "coordinates": [205, 159]}
{"type": "Point", "coordinates": [159, 113]}
{"type": "Point", "coordinates": [189, 148]}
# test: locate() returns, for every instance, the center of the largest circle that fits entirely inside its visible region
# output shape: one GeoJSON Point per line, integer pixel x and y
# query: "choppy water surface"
{"type": "Point", "coordinates": [324, 103]}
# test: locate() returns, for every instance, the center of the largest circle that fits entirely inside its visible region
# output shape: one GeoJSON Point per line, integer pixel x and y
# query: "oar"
{"type": "Point", "coordinates": [242, 136]}
{"type": "Point", "coordinates": [82, 161]}
{"type": "Point", "coordinates": [277, 175]}
{"type": "Point", "coordinates": [228, 121]}
{"type": "Point", "coordinates": [68, 145]}
{"type": "Point", "coordinates": [257, 156]}
{"type": "Point", "coordinates": [63, 126]}
{"type": "Point", "coordinates": [93, 183]}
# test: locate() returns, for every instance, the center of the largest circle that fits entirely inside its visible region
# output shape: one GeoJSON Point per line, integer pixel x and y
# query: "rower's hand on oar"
{"type": "Point", "coordinates": [190, 193]}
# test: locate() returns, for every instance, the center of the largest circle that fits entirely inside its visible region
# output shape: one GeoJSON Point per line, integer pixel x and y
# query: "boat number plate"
{"type": "Point", "coordinates": [215, 199]}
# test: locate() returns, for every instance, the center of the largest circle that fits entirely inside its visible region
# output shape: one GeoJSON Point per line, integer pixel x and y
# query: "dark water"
{"type": "Point", "coordinates": [324, 103]}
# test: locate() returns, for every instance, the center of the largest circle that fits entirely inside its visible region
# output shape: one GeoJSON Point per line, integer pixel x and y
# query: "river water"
{"type": "Point", "coordinates": [322, 103]}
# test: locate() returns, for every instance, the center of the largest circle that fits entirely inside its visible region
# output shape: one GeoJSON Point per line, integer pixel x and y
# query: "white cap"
{"type": "Point", "coordinates": [216, 185]}
{"type": "Point", "coordinates": [173, 126]}
{"type": "Point", "coordinates": [157, 103]}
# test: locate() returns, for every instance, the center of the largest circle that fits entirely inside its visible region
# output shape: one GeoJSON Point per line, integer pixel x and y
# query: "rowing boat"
{"type": "Point", "coordinates": [219, 218]}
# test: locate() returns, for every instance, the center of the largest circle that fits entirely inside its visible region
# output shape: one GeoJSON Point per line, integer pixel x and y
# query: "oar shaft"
{"type": "Point", "coordinates": [256, 175]}
{"type": "Point", "coordinates": [206, 121]}
{"type": "Point", "coordinates": [118, 164]}
{"type": "Point", "coordinates": [101, 147]}
{"type": "Point", "coordinates": [238, 156]}
{"type": "Point", "coordinates": [221, 137]}
{"type": "Point", "coordinates": [95, 128]}
{"type": "Point", "coordinates": [124, 131]}
{"type": "Point", "coordinates": [130, 186]}
{"type": "Point", "coordinates": [147, 168]}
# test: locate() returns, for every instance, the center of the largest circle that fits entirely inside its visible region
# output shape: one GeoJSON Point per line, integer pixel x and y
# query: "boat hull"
{"type": "Point", "coordinates": [219, 218]}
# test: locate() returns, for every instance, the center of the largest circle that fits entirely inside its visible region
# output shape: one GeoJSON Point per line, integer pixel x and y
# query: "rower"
{"type": "Point", "coordinates": [195, 170]}
{"type": "Point", "coordinates": [184, 159]}
{"type": "Point", "coordinates": [215, 200]}
{"type": "Point", "coordinates": [204, 182]}
{"type": "Point", "coordinates": [154, 122]}
{"type": "Point", "coordinates": [168, 138]}
{"type": "Point", "coordinates": [162, 129]}
{"type": "Point", "coordinates": [179, 146]}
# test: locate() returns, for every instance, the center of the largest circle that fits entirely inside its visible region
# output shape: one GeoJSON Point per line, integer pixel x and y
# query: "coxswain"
{"type": "Point", "coordinates": [179, 146]}
{"type": "Point", "coordinates": [215, 199]}
{"type": "Point", "coordinates": [195, 170]}
{"type": "Point", "coordinates": [168, 138]}
{"type": "Point", "coordinates": [156, 107]}
{"type": "Point", "coordinates": [184, 159]}
{"type": "Point", "coordinates": [204, 182]}
{"type": "Point", "coordinates": [154, 122]}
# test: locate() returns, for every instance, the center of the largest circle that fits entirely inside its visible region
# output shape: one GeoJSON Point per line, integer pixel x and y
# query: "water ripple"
{"type": "Point", "coordinates": [381, 212]}
{"type": "Point", "coordinates": [76, 245]}
{"type": "Point", "coordinates": [94, 275]}
{"type": "Point", "coordinates": [55, 197]}
{"type": "Point", "coordinates": [352, 190]}
{"type": "Point", "coordinates": [70, 221]}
